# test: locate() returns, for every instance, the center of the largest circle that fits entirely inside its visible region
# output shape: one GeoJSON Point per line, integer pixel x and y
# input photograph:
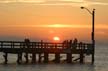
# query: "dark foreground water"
{"type": "Point", "coordinates": [101, 64]}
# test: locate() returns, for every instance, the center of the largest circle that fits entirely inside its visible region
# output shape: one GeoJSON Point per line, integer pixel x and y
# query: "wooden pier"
{"type": "Point", "coordinates": [43, 49]}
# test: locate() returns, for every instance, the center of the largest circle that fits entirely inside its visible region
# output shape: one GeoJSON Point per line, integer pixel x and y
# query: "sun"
{"type": "Point", "coordinates": [56, 38]}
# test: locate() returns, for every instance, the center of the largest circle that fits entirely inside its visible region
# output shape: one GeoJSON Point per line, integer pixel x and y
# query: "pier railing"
{"type": "Point", "coordinates": [45, 45]}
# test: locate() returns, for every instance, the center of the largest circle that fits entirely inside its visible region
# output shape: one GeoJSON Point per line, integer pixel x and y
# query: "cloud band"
{"type": "Point", "coordinates": [56, 2]}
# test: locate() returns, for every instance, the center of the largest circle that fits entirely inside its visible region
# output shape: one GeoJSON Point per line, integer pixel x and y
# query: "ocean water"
{"type": "Point", "coordinates": [101, 63]}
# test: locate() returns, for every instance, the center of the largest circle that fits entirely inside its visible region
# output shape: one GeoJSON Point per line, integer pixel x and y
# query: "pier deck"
{"type": "Point", "coordinates": [46, 48]}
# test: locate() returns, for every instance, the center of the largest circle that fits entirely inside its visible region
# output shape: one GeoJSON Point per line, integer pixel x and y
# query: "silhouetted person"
{"type": "Point", "coordinates": [70, 44]}
{"type": "Point", "coordinates": [75, 41]}
{"type": "Point", "coordinates": [27, 43]}
{"type": "Point", "coordinates": [64, 44]}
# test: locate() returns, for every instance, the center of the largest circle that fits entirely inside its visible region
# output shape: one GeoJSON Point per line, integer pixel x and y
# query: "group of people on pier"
{"type": "Point", "coordinates": [66, 44]}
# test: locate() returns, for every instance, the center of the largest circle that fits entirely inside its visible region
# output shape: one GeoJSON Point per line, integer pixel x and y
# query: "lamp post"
{"type": "Point", "coordinates": [93, 30]}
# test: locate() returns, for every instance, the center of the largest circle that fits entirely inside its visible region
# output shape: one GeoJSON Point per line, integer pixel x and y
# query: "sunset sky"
{"type": "Point", "coordinates": [45, 19]}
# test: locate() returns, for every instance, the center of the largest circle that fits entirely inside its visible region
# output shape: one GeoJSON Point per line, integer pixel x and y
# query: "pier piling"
{"type": "Point", "coordinates": [81, 58]}
{"type": "Point", "coordinates": [57, 57]}
{"type": "Point", "coordinates": [26, 57]}
{"type": "Point", "coordinates": [19, 59]}
{"type": "Point", "coordinates": [33, 58]}
{"type": "Point", "coordinates": [69, 58]}
{"type": "Point", "coordinates": [46, 58]}
{"type": "Point", "coordinates": [39, 57]}
{"type": "Point", "coordinates": [5, 57]}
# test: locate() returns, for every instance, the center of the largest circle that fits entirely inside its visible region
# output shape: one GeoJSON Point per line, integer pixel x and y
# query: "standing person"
{"type": "Point", "coordinates": [27, 43]}
{"type": "Point", "coordinates": [75, 41]}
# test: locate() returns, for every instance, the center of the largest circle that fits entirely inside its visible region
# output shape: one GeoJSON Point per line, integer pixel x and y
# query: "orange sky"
{"type": "Point", "coordinates": [44, 19]}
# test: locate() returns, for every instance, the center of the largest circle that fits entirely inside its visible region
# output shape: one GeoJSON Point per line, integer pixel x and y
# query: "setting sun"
{"type": "Point", "coordinates": [56, 38]}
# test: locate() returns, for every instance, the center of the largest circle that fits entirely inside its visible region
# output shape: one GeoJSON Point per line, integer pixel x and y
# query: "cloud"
{"type": "Point", "coordinates": [49, 2]}
{"type": "Point", "coordinates": [38, 1]}
{"type": "Point", "coordinates": [97, 3]}
{"type": "Point", "coordinates": [72, 0]}
{"type": "Point", "coordinates": [57, 2]}
{"type": "Point", "coordinates": [23, 1]}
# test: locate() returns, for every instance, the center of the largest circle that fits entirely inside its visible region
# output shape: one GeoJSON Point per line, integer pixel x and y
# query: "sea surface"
{"type": "Point", "coordinates": [101, 63]}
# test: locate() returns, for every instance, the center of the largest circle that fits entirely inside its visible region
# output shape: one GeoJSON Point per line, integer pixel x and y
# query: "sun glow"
{"type": "Point", "coordinates": [66, 26]}
{"type": "Point", "coordinates": [56, 25]}
{"type": "Point", "coordinates": [56, 38]}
